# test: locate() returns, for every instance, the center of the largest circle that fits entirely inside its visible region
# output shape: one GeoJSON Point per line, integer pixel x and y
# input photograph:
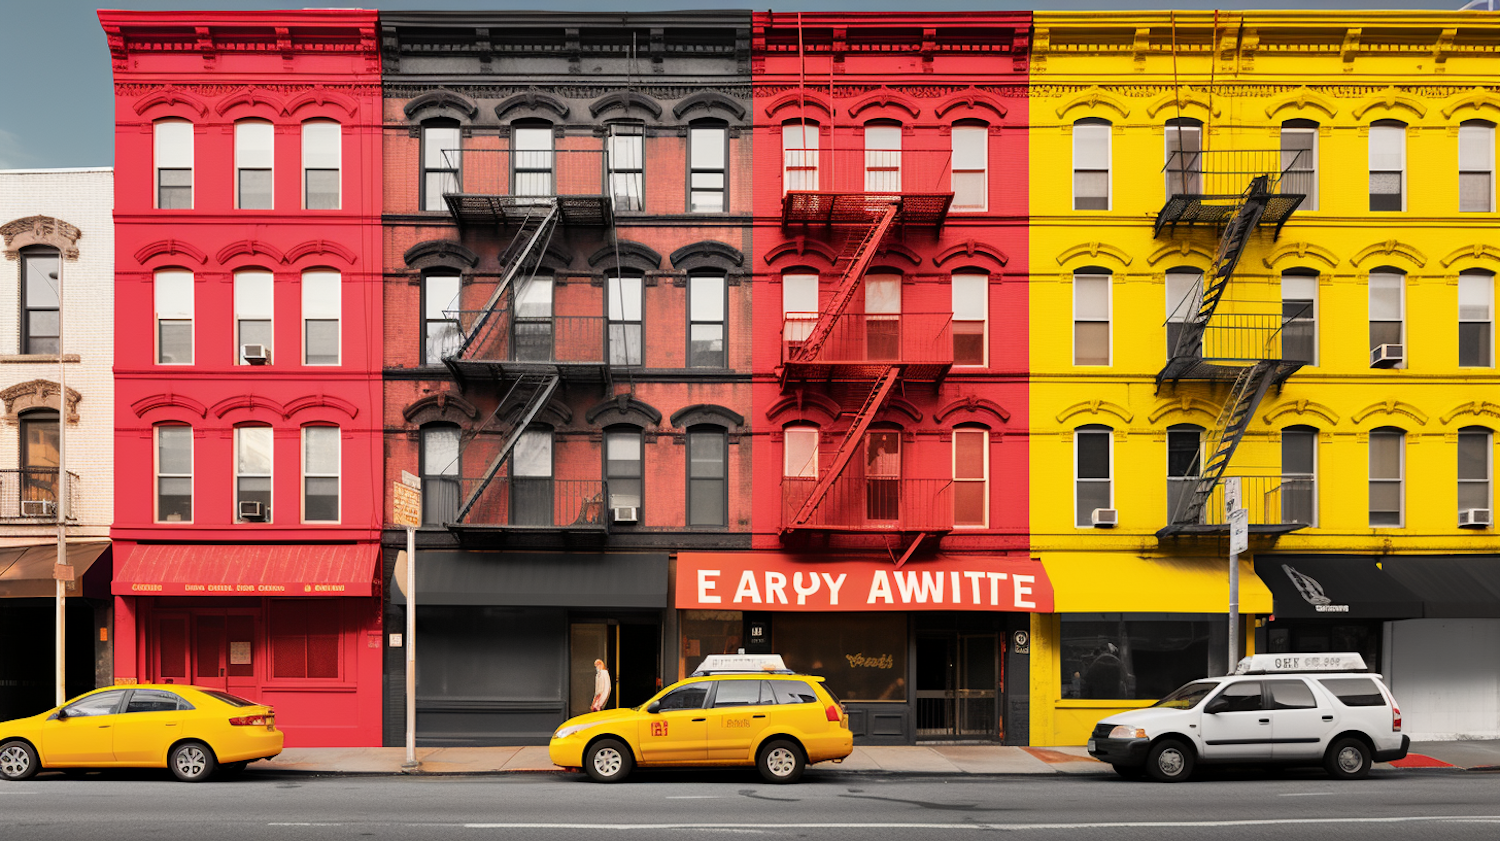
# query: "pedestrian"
{"type": "Point", "coordinates": [602, 686]}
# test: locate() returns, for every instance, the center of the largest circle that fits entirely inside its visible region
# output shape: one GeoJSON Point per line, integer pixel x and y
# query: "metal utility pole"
{"type": "Point", "coordinates": [62, 574]}
{"type": "Point", "coordinates": [1239, 541]}
{"type": "Point", "coordinates": [406, 506]}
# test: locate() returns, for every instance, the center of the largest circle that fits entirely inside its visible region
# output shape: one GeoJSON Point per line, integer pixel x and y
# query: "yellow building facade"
{"type": "Point", "coordinates": [1370, 312]}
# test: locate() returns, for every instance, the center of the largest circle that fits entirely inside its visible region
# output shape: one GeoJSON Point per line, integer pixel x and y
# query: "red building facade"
{"type": "Point", "coordinates": [247, 361]}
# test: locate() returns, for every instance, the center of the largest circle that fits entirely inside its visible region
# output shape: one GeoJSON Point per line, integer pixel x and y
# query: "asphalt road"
{"type": "Point", "coordinates": [828, 804]}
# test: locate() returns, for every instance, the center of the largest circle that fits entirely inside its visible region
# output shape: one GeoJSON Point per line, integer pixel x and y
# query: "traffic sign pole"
{"type": "Point", "coordinates": [1239, 541]}
{"type": "Point", "coordinates": [407, 501]}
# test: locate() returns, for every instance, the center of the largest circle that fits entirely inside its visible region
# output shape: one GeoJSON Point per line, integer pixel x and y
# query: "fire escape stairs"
{"type": "Point", "coordinates": [859, 250]}
{"type": "Point", "coordinates": [1249, 389]}
{"type": "Point", "coordinates": [527, 395]}
{"type": "Point", "coordinates": [873, 401]}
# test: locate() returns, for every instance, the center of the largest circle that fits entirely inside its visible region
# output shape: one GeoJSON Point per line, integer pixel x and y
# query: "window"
{"type": "Point", "coordinates": [1184, 297]}
{"type": "Point", "coordinates": [440, 336]}
{"type": "Point", "coordinates": [624, 320]}
{"type": "Point", "coordinates": [799, 150]}
{"type": "Point", "coordinates": [533, 160]}
{"type": "Point", "coordinates": [622, 467]}
{"type": "Point", "coordinates": [39, 457]}
{"type": "Point", "coordinates": [1120, 656]}
{"type": "Point", "coordinates": [883, 475]}
{"type": "Point", "coordinates": [1476, 319]}
{"type": "Point", "coordinates": [1290, 695]}
{"type": "Point", "coordinates": [706, 322]}
{"type": "Point", "coordinates": [1091, 164]}
{"type": "Point", "coordinates": [173, 289]}
{"type": "Point", "coordinates": [439, 471]}
{"type": "Point", "coordinates": [882, 159]}
{"type": "Point", "coordinates": [970, 163]}
{"type": "Point", "coordinates": [1388, 310]}
{"type": "Point", "coordinates": [971, 312]}
{"type": "Point", "coordinates": [320, 474]}
{"type": "Point", "coordinates": [707, 169]}
{"type": "Point", "coordinates": [155, 701]}
{"type": "Point", "coordinates": [305, 637]}
{"type": "Point", "coordinates": [1299, 161]}
{"type": "Point", "coordinates": [1091, 311]}
{"type": "Point", "coordinates": [41, 324]}
{"type": "Point", "coordinates": [322, 158]}
{"type": "Point", "coordinates": [1474, 465]}
{"type": "Point", "coordinates": [708, 476]}
{"type": "Point", "coordinates": [793, 692]}
{"type": "Point", "coordinates": [533, 324]}
{"type": "Point", "coordinates": [743, 693]}
{"type": "Point", "coordinates": [1476, 166]}
{"type": "Point", "coordinates": [104, 703]}
{"type": "Point", "coordinates": [689, 697]}
{"type": "Point", "coordinates": [818, 643]}
{"type": "Point", "coordinates": [174, 474]}
{"type": "Point", "coordinates": [321, 306]}
{"type": "Point", "coordinates": [1184, 466]}
{"type": "Point", "coordinates": [531, 479]}
{"type": "Point", "coordinates": [882, 316]}
{"type": "Point", "coordinates": [254, 300]}
{"type": "Point", "coordinates": [1354, 691]}
{"type": "Point", "coordinates": [440, 163]}
{"type": "Point", "coordinates": [799, 305]}
{"type": "Point", "coordinates": [971, 477]}
{"type": "Point", "coordinates": [1299, 475]}
{"type": "Point", "coordinates": [1387, 471]}
{"type": "Point", "coordinates": [1184, 161]}
{"type": "Point", "coordinates": [627, 168]}
{"type": "Point", "coordinates": [1299, 316]}
{"type": "Point", "coordinates": [1387, 165]}
{"type": "Point", "coordinates": [254, 157]}
{"type": "Point", "coordinates": [800, 452]}
{"type": "Point", "coordinates": [1092, 469]}
{"type": "Point", "coordinates": [252, 469]}
{"type": "Point", "coordinates": [173, 145]}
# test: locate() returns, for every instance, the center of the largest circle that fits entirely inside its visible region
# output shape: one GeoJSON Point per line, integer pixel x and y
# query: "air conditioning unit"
{"type": "Point", "coordinates": [1106, 518]}
{"type": "Point", "coordinates": [1387, 356]}
{"type": "Point", "coordinates": [252, 511]}
{"type": "Point", "coordinates": [1474, 518]}
{"type": "Point", "coordinates": [255, 354]}
{"type": "Point", "coordinates": [38, 508]}
{"type": "Point", "coordinates": [623, 514]}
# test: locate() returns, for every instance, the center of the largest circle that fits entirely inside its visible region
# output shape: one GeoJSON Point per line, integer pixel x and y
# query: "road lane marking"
{"type": "Point", "coordinates": [1307, 794]}
{"type": "Point", "coordinates": [695, 797]}
{"type": "Point", "coordinates": [657, 827]}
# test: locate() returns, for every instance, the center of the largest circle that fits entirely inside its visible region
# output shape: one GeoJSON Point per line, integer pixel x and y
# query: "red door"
{"type": "Point", "coordinates": [217, 649]}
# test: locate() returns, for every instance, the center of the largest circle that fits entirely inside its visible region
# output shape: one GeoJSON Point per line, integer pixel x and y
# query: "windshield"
{"type": "Point", "coordinates": [1186, 697]}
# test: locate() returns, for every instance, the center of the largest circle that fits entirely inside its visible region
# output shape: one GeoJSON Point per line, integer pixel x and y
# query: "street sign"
{"type": "Point", "coordinates": [1231, 495]}
{"type": "Point", "coordinates": [407, 502]}
{"type": "Point", "coordinates": [1239, 531]}
{"type": "Point", "coordinates": [411, 481]}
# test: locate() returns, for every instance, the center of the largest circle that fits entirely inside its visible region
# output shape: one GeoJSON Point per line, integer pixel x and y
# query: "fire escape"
{"type": "Point", "coordinates": [861, 359]}
{"type": "Point", "coordinates": [1217, 340]}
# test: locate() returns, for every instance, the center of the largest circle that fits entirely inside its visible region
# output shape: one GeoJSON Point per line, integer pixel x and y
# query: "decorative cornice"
{"type": "Point", "coordinates": [319, 401]}
{"type": "Point", "coordinates": [801, 401]}
{"type": "Point", "coordinates": [884, 99]}
{"type": "Point", "coordinates": [168, 400]}
{"type": "Point", "coordinates": [171, 96]}
{"type": "Point", "coordinates": [249, 97]}
{"type": "Point", "coordinates": [709, 101]}
{"type": "Point", "coordinates": [970, 249]}
{"type": "Point", "coordinates": [901, 405]}
{"type": "Point", "coordinates": [798, 99]}
{"type": "Point", "coordinates": [1183, 405]}
{"type": "Point", "coordinates": [1180, 249]}
{"type": "Point", "coordinates": [1300, 407]}
{"type": "Point", "coordinates": [1477, 251]}
{"type": "Point", "coordinates": [533, 100]}
{"type": "Point", "coordinates": [1095, 407]}
{"type": "Point", "coordinates": [37, 394]}
{"type": "Point", "coordinates": [627, 408]}
{"type": "Point", "coordinates": [1300, 251]}
{"type": "Point", "coordinates": [972, 405]}
{"type": "Point", "coordinates": [1093, 250]}
{"type": "Point", "coordinates": [973, 100]}
{"type": "Point", "coordinates": [247, 402]}
{"type": "Point", "coordinates": [625, 101]}
{"type": "Point", "coordinates": [706, 413]}
{"type": "Point", "coordinates": [631, 254]}
{"type": "Point", "coordinates": [800, 246]}
{"type": "Point", "coordinates": [1391, 406]}
{"type": "Point", "coordinates": [891, 248]}
{"type": "Point", "coordinates": [1183, 98]}
{"type": "Point", "coordinates": [249, 247]}
{"type": "Point", "coordinates": [440, 252]}
{"type": "Point", "coordinates": [1475, 408]}
{"type": "Point", "coordinates": [441, 101]}
{"type": "Point", "coordinates": [440, 402]}
{"type": "Point", "coordinates": [174, 247]}
{"type": "Point", "coordinates": [1095, 97]}
{"type": "Point", "coordinates": [1300, 99]}
{"type": "Point", "coordinates": [41, 230]}
{"type": "Point", "coordinates": [1390, 247]}
{"type": "Point", "coordinates": [1389, 99]}
{"type": "Point", "coordinates": [321, 247]}
{"type": "Point", "coordinates": [1479, 99]}
{"type": "Point", "coordinates": [320, 96]}
{"type": "Point", "coordinates": [706, 252]}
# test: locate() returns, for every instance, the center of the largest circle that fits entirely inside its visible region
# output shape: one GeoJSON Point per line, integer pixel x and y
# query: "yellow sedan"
{"type": "Point", "coordinates": [189, 729]}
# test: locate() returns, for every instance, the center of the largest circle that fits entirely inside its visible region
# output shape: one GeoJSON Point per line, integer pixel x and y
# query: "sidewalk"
{"type": "Point", "coordinates": [942, 759]}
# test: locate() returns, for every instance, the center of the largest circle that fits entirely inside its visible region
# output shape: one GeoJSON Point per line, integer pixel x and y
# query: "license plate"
{"type": "Point", "coordinates": [1091, 744]}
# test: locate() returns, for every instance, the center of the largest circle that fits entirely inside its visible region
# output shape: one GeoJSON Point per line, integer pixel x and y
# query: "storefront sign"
{"type": "Point", "coordinates": [772, 581]}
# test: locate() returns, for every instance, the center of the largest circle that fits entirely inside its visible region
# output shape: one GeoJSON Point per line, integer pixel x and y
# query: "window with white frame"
{"type": "Point", "coordinates": [252, 471]}
{"type": "Point", "coordinates": [800, 452]}
{"type": "Point", "coordinates": [1093, 472]}
{"type": "Point", "coordinates": [533, 159]}
{"type": "Point", "coordinates": [1091, 317]}
{"type": "Point", "coordinates": [322, 162]}
{"type": "Point", "coordinates": [1184, 156]}
{"type": "Point", "coordinates": [1299, 475]}
{"type": "Point", "coordinates": [254, 305]}
{"type": "Point", "coordinates": [1299, 316]}
{"type": "Point", "coordinates": [441, 162]}
{"type": "Point", "coordinates": [708, 168]}
{"type": "Point", "coordinates": [883, 475]}
{"type": "Point", "coordinates": [970, 167]}
{"type": "Point", "coordinates": [1387, 165]}
{"type": "Point", "coordinates": [625, 328]}
{"type": "Point", "coordinates": [173, 148]}
{"type": "Point", "coordinates": [1091, 154]}
{"type": "Point", "coordinates": [1299, 161]}
{"type": "Point", "coordinates": [971, 477]}
{"type": "Point", "coordinates": [799, 306]}
{"type": "Point", "coordinates": [1476, 166]}
{"type": "Point", "coordinates": [439, 469]}
{"type": "Point", "coordinates": [1388, 311]}
{"type": "Point", "coordinates": [882, 158]}
{"type": "Point", "coordinates": [971, 312]}
{"type": "Point", "coordinates": [320, 474]}
{"type": "Point", "coordinates": [173, 291]}
{"type": "Point", "coordinates": [882, 315]}
{"type": "Point", "coordinates": [799, 151]}
{"type": "Point", "coordinates": [1184, 295]}
{"type": "Point", "coordinates": [174, 474]}
{"type": "Point", "coordinates": [706, 303]}
{"type": "Point", "coordinates": [440, 336]}
{"type": "Point", "coordinates": [254, 160]}
{"type": "Point", "coordinates": [1475, 465]}
{"type": "Point", "coordinates": [322, 305]}
{"type": "Point", "coordinates": [1476, 319]}
{"type": "Point", "coordinates": [627, 165]}
{"type": "Point", "coordinates": [1387, 477]}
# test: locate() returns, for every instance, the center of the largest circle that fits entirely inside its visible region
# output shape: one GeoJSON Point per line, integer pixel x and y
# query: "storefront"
{"type": "Point", "coordinates": [28, 619]}
{"type": "Point", "coordinates": [506, 641]}
{"type": "Point", "coordinates": [933, 650]}
{"type": "Point", "coordinates": [296, 627]}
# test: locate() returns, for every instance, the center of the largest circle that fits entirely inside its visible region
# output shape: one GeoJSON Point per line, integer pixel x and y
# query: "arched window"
{"type": "Point", "coordinates": [1093, 472]}
{"type": "Point", "coordinates": [708, 167]}
{"type": "Point", "coordinates": [1475, 474]}
{"type": "Point", "coordinates": [1091, 159]}
{"type": "Point", "coordinates": [971, 154]}
{"type": "Point", "coordinates": [626, 151]}
{"type": "Point", "coordinates": [708, 476]}
{"type": "Point", "coordinates": [1299, 161]}
{"type": "Point", "coordinates": [1387, 318]}
{"type": "Point", "coordinates": [39, 457]}
{"type": "Point", "coordinates": [174, 474]}
{"type": "Point", "coordinates": [321, 473]}
{"type": "Point", "coordinates": [1387, 477]}
{"type": "Point", "coordinates": [531, 492]}
{"type": "Point", "coordinates": [971, 477]}
{"type": "Point", "coordinates": [1091, 316]}
{"type": "Point", "coordinates": [172, 144]}
{"type": "Point", "coordinates": [532, 159]}
{"type": "Point", "coordinates": [254, 164]}
{"type": "Point", "coordinates": [441, 162]}
{"type": "Point", "coordinates": [882, 157]}
{"type": "Point", "coordinates": [1184, 156]}
{"type": "Point", "coordinates": [1184, 466]}
{"type": "Point", "coordinates": [799, 150]}
{"type": "Point", "coordinates": [253, 448]}
{"type": "Point", "coordinates": [41, 308]}
{"type": "Point", "coordinates": [322, 163]}
{"type": "Point", "coordinates": [438, 467]}
{"type": "Point", "coordinates": [1387, 165]}
{"type": "Point", "coordinates": [173, 291]}
{"type": "Point", "coordinates": [1476, 166]}
{"type": "Point", "coordinates": [624, 467]}
{"type": "Point", "coordinates": [1299, 475]}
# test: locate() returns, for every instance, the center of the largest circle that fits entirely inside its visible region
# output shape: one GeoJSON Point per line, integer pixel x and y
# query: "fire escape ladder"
{"type": "Point", "coordinates": [859, 250]}
{"type": "Point", "coordinates": [866, 413]}
{"type": "Point", "coordinates": [1249, 388]}
{"type": "Point", "coordinates": [1232, 242]}
{"type": "Point", "coordinates": [521, 259]}
{"type": "Point", "coordinates": [530, 392]}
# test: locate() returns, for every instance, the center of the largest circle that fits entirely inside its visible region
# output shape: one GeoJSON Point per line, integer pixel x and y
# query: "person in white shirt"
{"type": "Point", "coordinates": [602, 686]}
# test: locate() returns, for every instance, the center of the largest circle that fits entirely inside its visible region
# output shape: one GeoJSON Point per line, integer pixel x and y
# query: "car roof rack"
{"type": "Point", "coordinates": [1283, 664]}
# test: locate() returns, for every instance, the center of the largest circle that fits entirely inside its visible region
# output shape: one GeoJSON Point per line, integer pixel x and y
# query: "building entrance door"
{"type": "Point", "coordinates": [631, 654]}
{"type": "Point", "coordinates": [211, 648]}
{"type": "Point", "coordinates": [959, 686]}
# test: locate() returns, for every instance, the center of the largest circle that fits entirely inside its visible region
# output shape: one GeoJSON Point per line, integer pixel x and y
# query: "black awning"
{"type": "Point", "coordinates": [1335, 586]}
{"type": "Point", "coordinates": [531, 579]}
{"type": "Point", "coordinates": [1450, 586]}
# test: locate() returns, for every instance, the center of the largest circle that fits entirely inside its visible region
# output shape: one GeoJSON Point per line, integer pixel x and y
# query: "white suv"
{"type": "Point", "coordinates": [1288, 709]}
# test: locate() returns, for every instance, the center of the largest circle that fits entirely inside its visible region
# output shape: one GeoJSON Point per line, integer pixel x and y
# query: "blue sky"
{"type": "Point", "coordinates": [56, 73]}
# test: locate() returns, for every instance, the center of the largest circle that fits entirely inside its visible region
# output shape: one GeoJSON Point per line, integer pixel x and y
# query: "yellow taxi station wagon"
{"type": "Point", "coordinates": [735, 710]}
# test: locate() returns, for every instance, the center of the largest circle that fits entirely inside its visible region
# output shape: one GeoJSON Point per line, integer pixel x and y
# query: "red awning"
{"type": "Point", "coordinates": [241, 570]}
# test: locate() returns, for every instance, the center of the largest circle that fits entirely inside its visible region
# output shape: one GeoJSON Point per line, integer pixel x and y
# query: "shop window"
{"type": "Point", "coordinates": [440, 336]}
{"type": "Point", "coordinates": [799, 149]}
{"type": "Point", "coordinates": [706, 304]}
{"type": "Point", "coordinates": [254, 307]}
{"type": "Point", "coordinates": [708, 151]}
{"type": "Point", "coordinates": [440, 473]}
{"type": "Point", "coordinates": [971, 312]}
{"type": "Point", "coordinates": [440, 163]}
{"type": "Point", "coordinates": [1299, 161]}
{"type": "Point", "coordinates": [970, 162]}
{"type": "Point", "coordinates": [172, 144]}
{"type": "Point", "coordinates": [1476, 319]}
{"type": "Point", "coordinates": [41, 324]}
{"type": "Point", "coordinates": [1476, 166]}
{"type": "Point", "coordinates": [320, 474]}
{"type": "Point", "coordinates": [305, 636]}
{"type": "Point", "coordinates": [862, 655]}
{"type": "Point", "coordinates": [1474, 468]}
{"type": "Point", "coordinates": [174, 474]}
{"type": "Point", "coordinates": [971, 477]}
{"type": "Point", "coordinates": [622, 466]}
{"type": "Point", "coordinates": [254, 159]}
{"type": "Point", "coordinates": [1184, 295]}
{"type": "Point", "coordinates": [1116, 657]}
{"type": "Point", "coordinates": [1387, 478]}
{"type": "Point", "coordinates": [321, 311]}
{"type": "Point", "coordinates": [708, 476]}
{"type": "Point", "coordinates": [1299, 475]}
{"type": "Point", "coordinates": [1299, 316]}
{"type": "Point", "coordinates": [627, 166]}
{"type": "Point", "coordinates": [173, 289]}
{"type": "Point", "coordinates": [1091, 155]}
{"type": "Point", "coordinates": [625, 328]}
{"type": "Point", "coordinates": [1387, 165]}
{"type": "Point", "coordinates": [1091, 317]}
{"type": "Point", "coordinates": [252, 473]}
{"type": "Point", "coordinates": [1184, 156]}
{"type": "Point", "coordinates": [322, 160]}
{"type": "Point", "coordinates": [1093, 465]}
{"type": "Point", "coordinates": [706, 632]}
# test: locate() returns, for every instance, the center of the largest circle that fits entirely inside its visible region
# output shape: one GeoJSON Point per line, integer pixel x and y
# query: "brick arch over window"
{"type": "Point", "coordinates": [555, 415]}
{"type": "Point", "coordinates": [707, 254]}
{"type": "Point", "coordinates": [802, 405]}
{"type": "Point", "coordinates": [797, 101]}
{"type": "Point", "coordinates": [250, 101]}
{"type": "Point", "coordinates": [709, 101]}
{"type": "Point", "coordinates": [707, 413]}
{"type": "Point", "coordinates": [441, 103]}
{"type": "Point", "coordinates": [971, 250]}
{"type": "Point", "coordinates": [446, 253]}
{"type": "Point", "coordinates": [971, 410]}
{"type": "Point", "coordinates": [797, 249]}
{"type": "Point", "coordinates": [444, 407]}
{"type": "Point", "coordinates": [251, 403]}
{"type": "Point", "coordinates": [884, 105]}
{"type": "Point", "coordinates": [533, 103]}
{"type": "Point", "coordinates": [168, 400]}
{"type": "Point", "coordinates": [172, 102]}
{"type": "Point", "coordinates": [324, 101]}
{"type": "Point", "coordinates": [321, 248]}
{"type": "Point", "coordinates": [971, 101]}
{"type": "Point", "coordinates": [37, 394]}
{"type": "Point", "coordinates": [249, 248]}
{"type": "Point", "coordinates": [633, 255]}
{"type": "Point", "coordinates": [630, 103]}
{"type": "Point", "coordinates": [170, 247]}
{"type": "Point", "coordinates": [313, 402]}
{"type": "Point", "coordinates": [40, 230]}
{"type": "Point", "coordinates": [622, 408]}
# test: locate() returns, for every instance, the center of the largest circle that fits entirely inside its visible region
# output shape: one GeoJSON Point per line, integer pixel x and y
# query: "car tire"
{"type": "Point", "coordinates": [192, 762]}
{"type": "Point", "coordinates": [1348, 759]}
{"type": "Point", "coordinates": [1130, 772]}
{"type": "Point", "coordinates": [781, 762]}
{"type": "Point", "coordinates": [18, 761]}
{"type": "Point", "coordinates": [1170, 761]}
{"type": "Point", "coordinates": [608, 761]}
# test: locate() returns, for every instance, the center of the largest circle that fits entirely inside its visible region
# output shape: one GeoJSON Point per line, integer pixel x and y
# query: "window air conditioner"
{"type": "Point", "coordinates": [255, 354]}
{"type": "Point", "coordinates": [1474, 518]}
{"type": "Point", "coordinates": [1387, 356]}
{"type": "Point", "coordinates": [252, 511]}
{"type": "Point", "coordinates": [629, 514]}
{"type": "Point", "coordinates": [1106, 518]}
{"type": "Point", "coordinates": [38, 508]}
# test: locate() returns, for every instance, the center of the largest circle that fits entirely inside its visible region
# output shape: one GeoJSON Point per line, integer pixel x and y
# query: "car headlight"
{"type": "Point", "coordinates": [1124, 731]}
{"type": "Point", "coordinates": [565, 732]}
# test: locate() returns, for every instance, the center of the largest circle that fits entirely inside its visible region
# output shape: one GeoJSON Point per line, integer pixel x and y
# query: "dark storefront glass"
{"type": "Point", "coordinates": [1118, 657]}
{"type": "Point", "coordinates": [863, 655]}
{"type": "Point", "coordinates": [706, 632]}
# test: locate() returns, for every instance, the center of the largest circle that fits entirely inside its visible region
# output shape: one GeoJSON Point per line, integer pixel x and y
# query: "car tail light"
{"type": "Point", "coordinates": [833, 712]}
{"type": "Point", "coordinates": [1395, 719]}
{"type": "Point", "coordinates": [257, 720]}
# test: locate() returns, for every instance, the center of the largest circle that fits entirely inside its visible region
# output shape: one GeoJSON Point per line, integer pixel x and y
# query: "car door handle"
{"type": "Point", "coordinates": [1328, 718]}
{"type": "Point", "coordinates": [757, 716]}
{"type": "Point", "coordinates": [700, 719]}
{"type": "Point", "coordinates": [1265, 721]}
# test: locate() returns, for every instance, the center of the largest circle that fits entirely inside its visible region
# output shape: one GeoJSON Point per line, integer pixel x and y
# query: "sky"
{"type": "Point", "coordinates": [54, 64]}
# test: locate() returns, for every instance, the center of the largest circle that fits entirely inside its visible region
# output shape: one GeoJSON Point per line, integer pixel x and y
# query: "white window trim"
{"type": "Point", "coordinates": [1400, 479]}
{"type": "Point", "coordinates": [1317, 194]}
{"type": "Point", "coordinates": [239, 345]}
{"type": "Point", "coordinates": [239, 165]}
{"type": "Point", "coordinates": [1371, 169]}
{"type": "Point", "coordinates": [192, 168]}
{"type": "Point", "coordinates": [1317, 332]}
{"type": "Point", "coordinates": [339, 341]}
{"type": "Point", "coordinates": [983, 171]}
{"type": "Point", "coordinates": [1489, 471]}
{"type": "Point", "coordinates": [1490, 280]}
{"type": "Point", "coordinates": [816, 157]}
{"type": "Point", "coordinates": [1110, 439]}
{"type": "Point", "coordinates": [800, 429]}
{"type": "Point", "coordinates": [985, 481]}
{"type": "Point", "coordinates": [1284, 474]}
{"type": "Point", "coordinates": [157, 475]}
{"type": "Point", "coordinates": [1369, 303]}
{"type": "Point", "coordinates": [338, 151]}
{"type": "Point", "coordinates": [235, 513]}
{"type": "Point", "coordinates": [339, 452]}
{"type": "Point", "coordinates": [1109, 170]}
{"type": "Point", "coordinates": [882, 173]}
{"type": "Point", "coordinates": [157, 319]}
{"type": "Point", "coordinates": [1109, 301]}
{"type": "Point", "coordinates": [984, 321]}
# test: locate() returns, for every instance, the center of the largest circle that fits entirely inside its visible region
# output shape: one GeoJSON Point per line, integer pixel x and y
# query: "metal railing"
{"type": "Point", "coordinates": [30, 493]}
{"type": "Point", "coordinates": [558, 339]}
{"type": "Point", "coordinates": [1229, 172]}
{"type": "Point", "coordinates": [1273, 501]}
{"type": "Point", "coordinates": [864, 503]}
{"type": "Point", "coordinates": [540, 503]}
{"type": "Point", "coordinates": [878, 171]}
{"type": "Point", "coordinates": [872, 339]}
{"type": "Point", "coordinates": [539, 173]}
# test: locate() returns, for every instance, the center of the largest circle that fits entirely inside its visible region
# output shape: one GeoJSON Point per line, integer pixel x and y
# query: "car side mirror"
{"type": "Point", "coordinates": [1217, 705]}
{"type": "Point", "coordinates": [654, 707]}
{"type": "Point", "coordinates": [62, 713]}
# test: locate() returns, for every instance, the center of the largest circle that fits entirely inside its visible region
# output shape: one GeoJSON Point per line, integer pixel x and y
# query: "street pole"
{"type": "Point", "coordinates": [411, 649]}
{"type": "Point", "coordinates": [1239, 541]}
{"type": "Point", "coordinates": [62, 491]}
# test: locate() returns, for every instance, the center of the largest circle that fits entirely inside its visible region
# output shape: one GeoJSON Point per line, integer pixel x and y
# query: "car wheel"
{"type": "Point", "coordinates": [608, 761]}
{"type": "Point", "coordinates": [1130, 772]}
{"type": "Point", "coordinates": [18, 761]}
{"type": "Point", "coordinates": [192, 762]}
{"type": "Point", "coordinates": [1170, 761]}
{"type": "Point", "coordinates": [781, 761]}
{"type": "Point", "coordinates": [1348, 759]}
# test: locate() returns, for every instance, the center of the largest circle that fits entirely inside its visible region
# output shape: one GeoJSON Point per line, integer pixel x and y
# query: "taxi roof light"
{"type": "Point", "coordinates": [742, 664]}
{"type": "Point", "coordinates": [1266, 664]}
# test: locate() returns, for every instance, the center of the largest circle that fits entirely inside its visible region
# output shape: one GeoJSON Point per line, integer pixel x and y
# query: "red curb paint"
{"type": "Point", "coordinates": [1417, 760]}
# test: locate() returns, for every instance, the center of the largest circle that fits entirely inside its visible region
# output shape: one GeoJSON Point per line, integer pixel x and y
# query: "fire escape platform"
{"type": "Point", "coordinates": [1193, 209]}
{"type": "Point", "coordinates": [589, 535]}
{"type": "Point", "coordinates": [834, 372]}
{"type": "Point", "coordinates": [1212, 529]}
{"type": "Point", "coordinates": [595, 211]}
{"type": "Point", "coordinates": [1198, 369]}
{"type": "Point", "coordinates": [497, 371]}
{"type": "Point", "coordinates": [814, 207]}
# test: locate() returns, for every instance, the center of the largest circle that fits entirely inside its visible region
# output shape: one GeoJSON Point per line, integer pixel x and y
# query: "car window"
{"type": "Point", "coordinates": [689, 697]}
{"type": "Point", "coordinates": [1354, 691]}
{"type": "Point", "coordinates": [1243, 696]}
{"type": "Point", "coordinates": [103, 703]}
{"type": "Point", "coordinates": [1291, 695]}
{"type": "Point", "coordinates": [743, 693]}
{"type": "Point", "coordinates": [231, 700]}
{"type": "Point", "coordinates": [794, 692]}
{"type": "Point", "coordinates": [155, 701]}
{"type": "Point", "coordinates": [1186, 697]}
